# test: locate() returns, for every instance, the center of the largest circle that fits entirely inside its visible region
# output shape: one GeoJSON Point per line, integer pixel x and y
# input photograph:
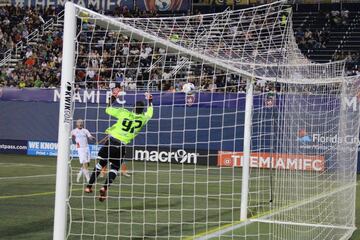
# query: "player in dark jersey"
{"type": "Point", "coordinates": [127, 127]}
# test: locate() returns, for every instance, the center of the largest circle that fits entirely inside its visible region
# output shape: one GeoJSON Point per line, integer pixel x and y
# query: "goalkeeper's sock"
{"type": "Point", "coordinates": [103, 172]}
{"type": "Point", "coordinates": [123, 167]}
{"type": "Point", "coordinates": [94, 175]}
{"type": "Point", "coordinates": [111, 177]}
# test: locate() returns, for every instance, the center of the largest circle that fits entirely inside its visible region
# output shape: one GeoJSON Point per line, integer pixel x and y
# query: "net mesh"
{"type": "Point", "coordinates": [186, 164]}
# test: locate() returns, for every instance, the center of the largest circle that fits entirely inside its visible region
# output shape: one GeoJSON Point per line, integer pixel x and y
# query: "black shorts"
{"type": "Point", "coordinates": [113, 151]}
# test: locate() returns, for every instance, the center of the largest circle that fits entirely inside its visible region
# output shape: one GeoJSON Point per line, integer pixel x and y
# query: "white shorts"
{"type": "Point", "coordinates": [84, 155]}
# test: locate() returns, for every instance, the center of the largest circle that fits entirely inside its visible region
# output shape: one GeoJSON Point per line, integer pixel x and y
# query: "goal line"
{"type": "Point", "coordinates": [263, 217]}
{"type": "Point", "coordinates": [302, 224]}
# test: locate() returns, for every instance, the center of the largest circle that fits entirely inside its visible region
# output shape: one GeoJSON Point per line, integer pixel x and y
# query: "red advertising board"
{"type": "Point", "coordinates": [274, 160]}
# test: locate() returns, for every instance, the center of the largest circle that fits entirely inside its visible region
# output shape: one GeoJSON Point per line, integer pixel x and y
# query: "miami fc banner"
{"type": "Point", "coordinates": [163, 5]}
{"type": "Point", "coordinates": [96, 4]}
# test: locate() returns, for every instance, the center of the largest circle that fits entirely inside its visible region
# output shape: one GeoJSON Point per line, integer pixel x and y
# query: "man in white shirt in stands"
{"type": "Point", "coordinates": [81, 135]}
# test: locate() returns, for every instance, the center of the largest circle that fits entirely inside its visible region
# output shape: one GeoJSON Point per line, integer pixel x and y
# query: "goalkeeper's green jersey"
{"type": "Point", "coordinates": [129, 124]}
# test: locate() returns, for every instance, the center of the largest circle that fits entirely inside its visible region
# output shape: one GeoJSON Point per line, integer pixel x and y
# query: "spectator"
{"type": "Point", "coordinates": [38, 83]}
{"type": "Point", "coordinates": [43, 61]}
{"type": "Point", "coordinates": [28, 53]}
{"type": "Point", "coordinates": [212, 86]}
{"type": "Point", "coordinates": [131, 85]}
{"type": "Point", "coordinates": [30, 62]}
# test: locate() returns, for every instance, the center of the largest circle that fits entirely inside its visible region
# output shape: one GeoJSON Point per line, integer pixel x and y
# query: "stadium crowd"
{"type": "Point", "coordinates": [40, 63]}
{"type": "Point", "coordinates": [312, 39]}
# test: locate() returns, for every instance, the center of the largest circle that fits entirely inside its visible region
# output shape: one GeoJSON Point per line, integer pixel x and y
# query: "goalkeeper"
{"type": "Point", "coordinates": [127, 127]}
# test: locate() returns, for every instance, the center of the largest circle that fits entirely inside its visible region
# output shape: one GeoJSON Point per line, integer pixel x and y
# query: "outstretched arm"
{"type": "Point", "coordinates": [114, 95]}
{"type": "Point", "coordinates": [73, 135]}
{"type": "Point", "coordinates": [149, 97]}
{"type": "Point", "coordinates": [109, 109]}
{"type": "Point", "coordinates": [103, 140]}
{"type": "Point", "coordinates": [91, 137]}
{"type": "Point", "coordinates": [150, 111]}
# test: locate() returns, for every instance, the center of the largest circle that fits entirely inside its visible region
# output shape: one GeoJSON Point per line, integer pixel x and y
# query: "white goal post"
{"type": "Point", "coordinates": [264, 144]}
{"type": "Point", "coordinates": [65, 123]}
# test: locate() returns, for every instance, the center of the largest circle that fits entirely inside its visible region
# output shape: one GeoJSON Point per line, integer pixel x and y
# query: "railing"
{"type": "Point", "coordinates": [60, 16]}
{"type": "Point", "coordinates": [47, 25]}
{"type": "Point", "coordinates": [20, 45]}
{"type": "Point", "coordinates": [346, 34]}
{"type": "Point", "coordinates": [6, 58]}
{"type": "Point", "coordinates": [5, 3]}
{"type": "Point", "coordinates": [35, 35]}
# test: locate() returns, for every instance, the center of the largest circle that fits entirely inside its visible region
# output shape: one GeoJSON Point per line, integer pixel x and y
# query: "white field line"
{"type": "Point", "coordinates": [306, 201]}
{"type": "Point", "coordinates": [24, 177]}
{"type": "Point", "coordinates": [277, 211]}
{"type": "Point", "coordinates": [217, 234]}
{"type": "Point", "coordinates": [302, 224]}
{"type": "Point", "coordinates": [23, 165]}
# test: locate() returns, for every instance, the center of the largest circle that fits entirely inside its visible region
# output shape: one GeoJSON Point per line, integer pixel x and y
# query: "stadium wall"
{"type": "Point", "coordinates": [29, 119]}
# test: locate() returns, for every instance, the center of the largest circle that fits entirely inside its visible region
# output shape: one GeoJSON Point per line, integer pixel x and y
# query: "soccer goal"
{"type": "Point", "coordinates": [249, 139]}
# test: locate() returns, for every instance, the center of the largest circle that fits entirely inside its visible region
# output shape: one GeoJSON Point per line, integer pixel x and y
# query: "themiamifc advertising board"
{"type": "Point", "coordinates": [273, 160]}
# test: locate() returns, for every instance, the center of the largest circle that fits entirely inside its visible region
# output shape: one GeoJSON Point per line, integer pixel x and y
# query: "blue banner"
{"type": "Point", "coordinates": [186, 123]}
{"type": "Point", "coordinates": [179, 99]}
{"type": "Point", "coordinates": [13, 146]}
{"type": "Point", "coordinates": [111, 5]}
{"type": "Point", "coordinates": [93, 4]}
{"type": "Point", "coordinates": [39, 148]}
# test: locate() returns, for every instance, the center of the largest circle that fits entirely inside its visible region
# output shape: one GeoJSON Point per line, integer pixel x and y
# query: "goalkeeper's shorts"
{"type": "Point", "coordinates": [113, 151]}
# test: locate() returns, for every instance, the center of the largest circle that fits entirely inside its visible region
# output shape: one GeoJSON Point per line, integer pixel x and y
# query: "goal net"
{"type": "Point", "coordinates": [249, 139]}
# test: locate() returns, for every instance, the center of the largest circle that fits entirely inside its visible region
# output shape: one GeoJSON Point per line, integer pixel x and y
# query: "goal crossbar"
{"type": "Point", "coordinates": [228, 66]}
{"type": "Point", "coordinates": [137, 34]}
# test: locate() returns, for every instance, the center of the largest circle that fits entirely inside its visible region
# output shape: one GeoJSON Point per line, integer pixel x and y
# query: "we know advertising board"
{"type": "Point", "coordinates": [37, 148]}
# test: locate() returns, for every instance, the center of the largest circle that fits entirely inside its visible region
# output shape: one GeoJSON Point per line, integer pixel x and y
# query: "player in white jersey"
{"type": "Point", "coordinates": [81, 135]}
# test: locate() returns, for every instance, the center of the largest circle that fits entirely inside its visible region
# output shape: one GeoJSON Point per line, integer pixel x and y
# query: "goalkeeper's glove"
{"type": "Point", "coordinates": [115, 92]}
{"type": "Point", "coordinates": [149, 97]}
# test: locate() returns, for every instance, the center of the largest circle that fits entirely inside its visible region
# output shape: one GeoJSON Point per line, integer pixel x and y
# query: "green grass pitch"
{"type": "Point", "coordinates": [27, 187]}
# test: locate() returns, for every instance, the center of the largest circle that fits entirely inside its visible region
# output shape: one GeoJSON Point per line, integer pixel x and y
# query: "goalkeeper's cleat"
{"type": "Point", "coordinates": [88, 190]}
{"type": "Point", "coordinates": [102, 194]}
